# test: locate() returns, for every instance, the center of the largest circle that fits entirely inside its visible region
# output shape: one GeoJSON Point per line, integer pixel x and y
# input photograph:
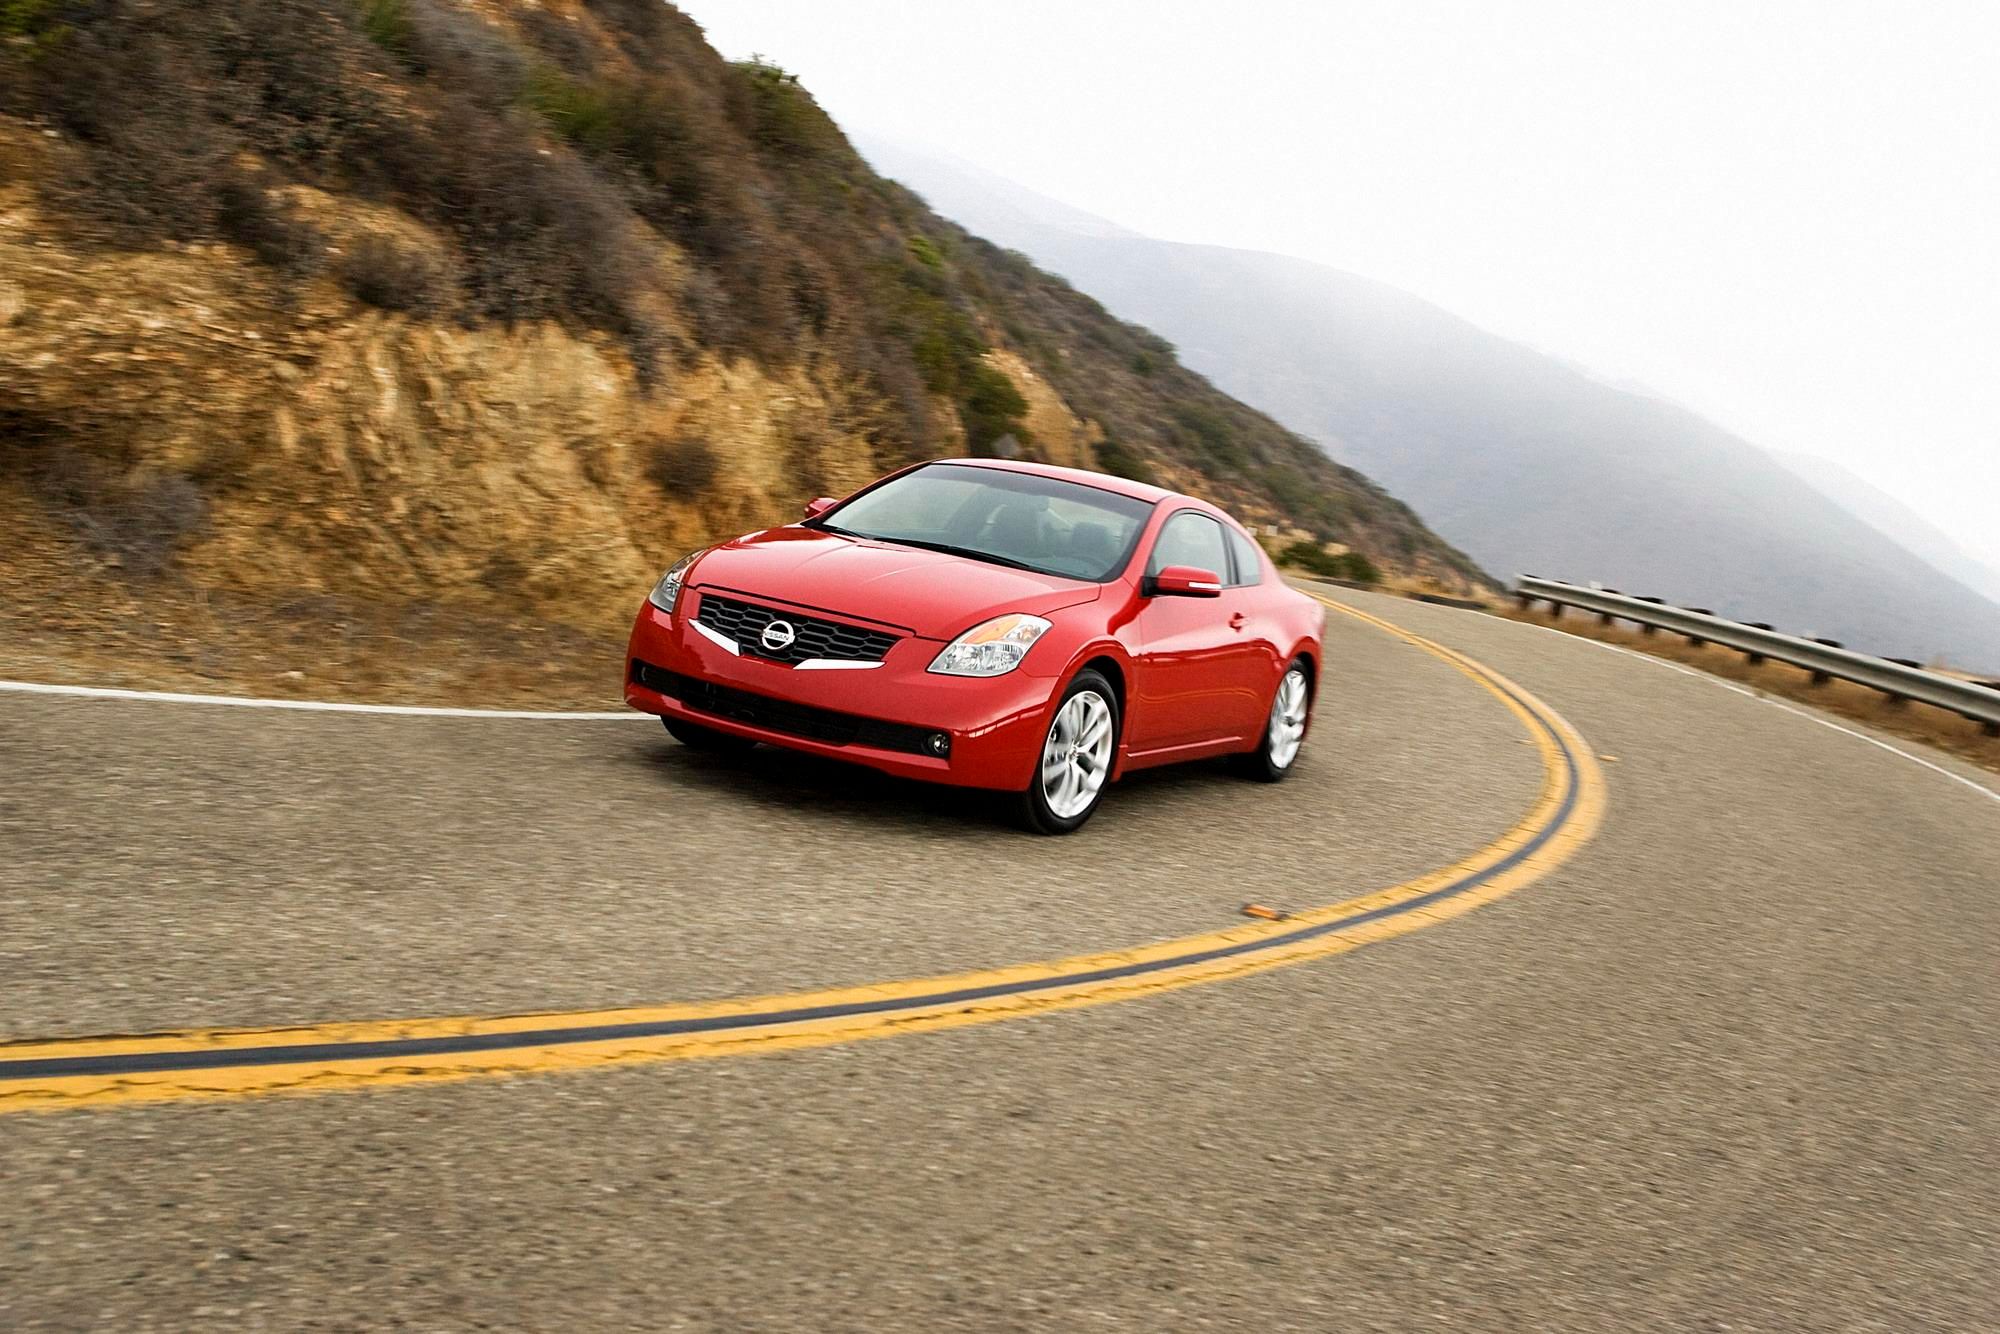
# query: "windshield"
{"type": "Point", "coordinates": [1010, 518]}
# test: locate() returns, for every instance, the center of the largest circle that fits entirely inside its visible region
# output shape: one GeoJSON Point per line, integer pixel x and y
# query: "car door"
{"type": "Point", "coordinates": [1194, 676]}
{"type": "Point", "coordinates": [1259, 598]}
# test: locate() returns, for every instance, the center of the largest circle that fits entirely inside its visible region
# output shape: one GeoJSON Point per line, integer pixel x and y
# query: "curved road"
{"type": "Point", "coordinates": [1733, 1065]}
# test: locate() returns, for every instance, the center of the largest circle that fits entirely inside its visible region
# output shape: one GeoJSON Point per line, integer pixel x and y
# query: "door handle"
{"type": "Point", "coordinates": [1236, 621]}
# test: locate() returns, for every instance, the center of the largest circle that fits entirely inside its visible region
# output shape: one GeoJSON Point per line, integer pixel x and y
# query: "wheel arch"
{"type": "Point", "coordinates": [1309, 654]}
{"type": "Point", "coordinates": [1113, 671]}
{"type": "Point", "coordinates": [1119, 674]}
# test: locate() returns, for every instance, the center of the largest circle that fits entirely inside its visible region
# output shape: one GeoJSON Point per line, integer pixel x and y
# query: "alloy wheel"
{"type": "Point", "coordinates": [1076, 758]}
{"type": "Point", "coordinates": [1288, 719]}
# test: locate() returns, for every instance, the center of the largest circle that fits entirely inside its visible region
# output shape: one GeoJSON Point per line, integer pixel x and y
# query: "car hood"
{"type": "Point", "coordinates": [928, 593]}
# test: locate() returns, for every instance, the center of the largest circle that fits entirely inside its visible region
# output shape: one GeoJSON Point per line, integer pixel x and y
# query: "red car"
{"type": "Point", "coordinates": [988, 624]}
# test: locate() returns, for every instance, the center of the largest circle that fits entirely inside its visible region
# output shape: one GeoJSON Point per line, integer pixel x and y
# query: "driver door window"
{"type": "Point", "coordinates": [1191, 539]}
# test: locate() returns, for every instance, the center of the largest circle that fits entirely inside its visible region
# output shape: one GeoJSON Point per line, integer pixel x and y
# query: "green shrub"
{"type": "Point", "coordinates": [1314, 559]}
{"type": "Point", "coordinates": [1210, 432]}
{"type": "Point", "coordinates": [1120, 461]}
{"type": "Point", "coordinates": [992, 407]}
{"type": "Point", "coordinates": [387, 23]}
{"type": "Point", "coordinates": [777, 113]}
{"type": "Point", "coordinates": [1359, 568]}
{"type": "Point", "coordinates": [587, 115]}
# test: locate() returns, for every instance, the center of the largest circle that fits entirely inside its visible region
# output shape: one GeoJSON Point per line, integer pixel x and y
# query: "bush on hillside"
{"type": "Point", "coordinates": [1116, 459]}
{"type": "Point", "coordinates": [392, 276]}
{"type": "Point", "coordinates": [1209, 430]}
{"type": "Point", "coordinates": [1315, 559]}
{"type": "Point", "coordinates": [683, 468]}
{"type": "Point", "coordinates": [992, 407]}
{"type": "Point", "coordinates": [137, 519]}
{"type": "Point", "coordinates": [246, 212]}
{"type": "Point", "coordinates": [777, 112]}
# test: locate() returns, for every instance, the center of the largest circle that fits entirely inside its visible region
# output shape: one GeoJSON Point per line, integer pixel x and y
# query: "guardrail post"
{"type": "Point", "coordinates": [1750, 656]}
{"type": "Point", "coordinates": [1898, 701]}
{"type": "Point", "coordinates": [1821, 678]}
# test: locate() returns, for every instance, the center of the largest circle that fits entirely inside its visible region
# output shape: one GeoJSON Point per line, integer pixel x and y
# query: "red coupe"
{"type": "Point", "coordinates": [989, 624]}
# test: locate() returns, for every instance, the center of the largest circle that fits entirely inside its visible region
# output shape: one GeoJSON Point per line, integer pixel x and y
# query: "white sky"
{"type": "Point", "coordinates": [1783, 213]}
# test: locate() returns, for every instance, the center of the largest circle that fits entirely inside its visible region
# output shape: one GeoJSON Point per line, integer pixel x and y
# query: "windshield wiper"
{"type": "Point", "coordinates": [947, 549]}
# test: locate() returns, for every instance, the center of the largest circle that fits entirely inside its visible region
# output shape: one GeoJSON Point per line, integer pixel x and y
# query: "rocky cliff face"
{"type": "Point", "coordinates": [186, 406]}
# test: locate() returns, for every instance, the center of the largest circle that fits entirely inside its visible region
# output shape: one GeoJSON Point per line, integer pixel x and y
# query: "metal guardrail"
{"type": "Point", "coordinates": [1826, 659]}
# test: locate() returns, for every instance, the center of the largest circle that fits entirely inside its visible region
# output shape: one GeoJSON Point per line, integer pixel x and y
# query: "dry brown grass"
{"type": "Point", "coordinates": [68, 618]}
{"type": "Point", "coordinates": [321, 649]}
{"type": "Point", "coordinates": [1916, 722]}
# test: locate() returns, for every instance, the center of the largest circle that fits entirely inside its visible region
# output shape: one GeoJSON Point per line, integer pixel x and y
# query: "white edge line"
{"type": "Point", "coordinates": [313, 705]}
{"type": "Point", "coordinates": [1714, 680]}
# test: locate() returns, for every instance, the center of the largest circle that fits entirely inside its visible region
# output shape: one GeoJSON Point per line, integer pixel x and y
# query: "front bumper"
{"type": "Point", "coordinates": [884, 717]}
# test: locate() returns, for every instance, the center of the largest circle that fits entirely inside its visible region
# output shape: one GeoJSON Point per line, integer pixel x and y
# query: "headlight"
{"type": "Point", "coordinates": [668, 591]}
{"type": "Point", "coordinates": [992, 649]}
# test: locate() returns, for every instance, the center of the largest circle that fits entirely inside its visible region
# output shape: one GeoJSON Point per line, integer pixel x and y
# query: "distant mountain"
{"type": "Point", "coordinates": [1896, 521]}
{"type": "Point", "coordinates": [1527, 463]}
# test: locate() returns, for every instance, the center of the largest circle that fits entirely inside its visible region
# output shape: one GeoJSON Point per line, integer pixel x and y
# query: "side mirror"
{"type": "Point", "coordinates": [819, 506]}
{"type": "Point", "coordinates": [1186, 581]}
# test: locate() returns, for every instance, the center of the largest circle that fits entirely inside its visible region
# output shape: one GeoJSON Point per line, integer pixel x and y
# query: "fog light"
{"type": "Point", "coordinates": [940, 743]}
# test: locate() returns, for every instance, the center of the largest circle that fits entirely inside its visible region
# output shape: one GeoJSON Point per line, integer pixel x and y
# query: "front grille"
{"type": "Point", "coordinates": [744, 622]}
{"type": "Point", "coordinates": [780, 715]}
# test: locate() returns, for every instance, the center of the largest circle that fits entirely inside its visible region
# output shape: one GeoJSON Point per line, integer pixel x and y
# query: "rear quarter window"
{"type": "Point", "coordinates": [1249, 561]}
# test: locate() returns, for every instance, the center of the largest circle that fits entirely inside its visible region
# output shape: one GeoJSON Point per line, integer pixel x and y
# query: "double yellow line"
{"type": "Point", "coordinates": [221, 1063]}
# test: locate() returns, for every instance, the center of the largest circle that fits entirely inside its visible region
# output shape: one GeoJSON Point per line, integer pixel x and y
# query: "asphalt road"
{"type": "Point", "coordinates": [1731, 1067]}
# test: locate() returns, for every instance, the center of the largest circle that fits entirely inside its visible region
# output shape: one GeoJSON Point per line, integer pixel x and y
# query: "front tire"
{"type": "Point", "coordinates": [1074, 766]}
{"type": "Point", "coordinates": [696, 737]}
{"type": "Point", "coordinates": [1284, 727]}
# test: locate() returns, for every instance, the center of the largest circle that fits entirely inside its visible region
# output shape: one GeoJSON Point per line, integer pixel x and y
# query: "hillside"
{"type": "Point", "coordinates": [1529, 464]}
{"type": "Point", "coordinates": [505, 305]}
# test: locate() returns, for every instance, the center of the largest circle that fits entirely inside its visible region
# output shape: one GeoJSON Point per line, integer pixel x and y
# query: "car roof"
{"type": "Point", "coordinates": [1103, 481]}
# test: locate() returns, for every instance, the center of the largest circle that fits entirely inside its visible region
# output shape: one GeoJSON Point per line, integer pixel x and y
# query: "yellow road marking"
{"type": "Point", "coordinates": [1566, 760]}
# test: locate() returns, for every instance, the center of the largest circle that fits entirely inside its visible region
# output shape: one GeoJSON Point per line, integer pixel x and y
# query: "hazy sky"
{"type": "Point", "coordinates": [1786, 215]}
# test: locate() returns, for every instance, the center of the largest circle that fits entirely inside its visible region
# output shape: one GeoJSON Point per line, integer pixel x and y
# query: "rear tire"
{"type": "Point", "coordinates": [1073, 767]}
{"type": "Point", "coordinates": [1284, 727]}
{"type": "Point", "coordinates": [696, 737]}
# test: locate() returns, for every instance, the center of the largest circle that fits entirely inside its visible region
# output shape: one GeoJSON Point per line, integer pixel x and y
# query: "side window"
{"type": "Point", "coordinates": [1193, 539]}
{"type": "Point", "coordinates": [1249, 565]}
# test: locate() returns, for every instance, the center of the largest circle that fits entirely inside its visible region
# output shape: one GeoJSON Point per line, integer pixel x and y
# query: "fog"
{"type": "Point", "coordinates": [1783, 214]}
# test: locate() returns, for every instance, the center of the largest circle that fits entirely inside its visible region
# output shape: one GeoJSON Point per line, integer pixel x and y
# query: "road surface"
{"type": "Point", "coordinates": [1730, 1065]}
